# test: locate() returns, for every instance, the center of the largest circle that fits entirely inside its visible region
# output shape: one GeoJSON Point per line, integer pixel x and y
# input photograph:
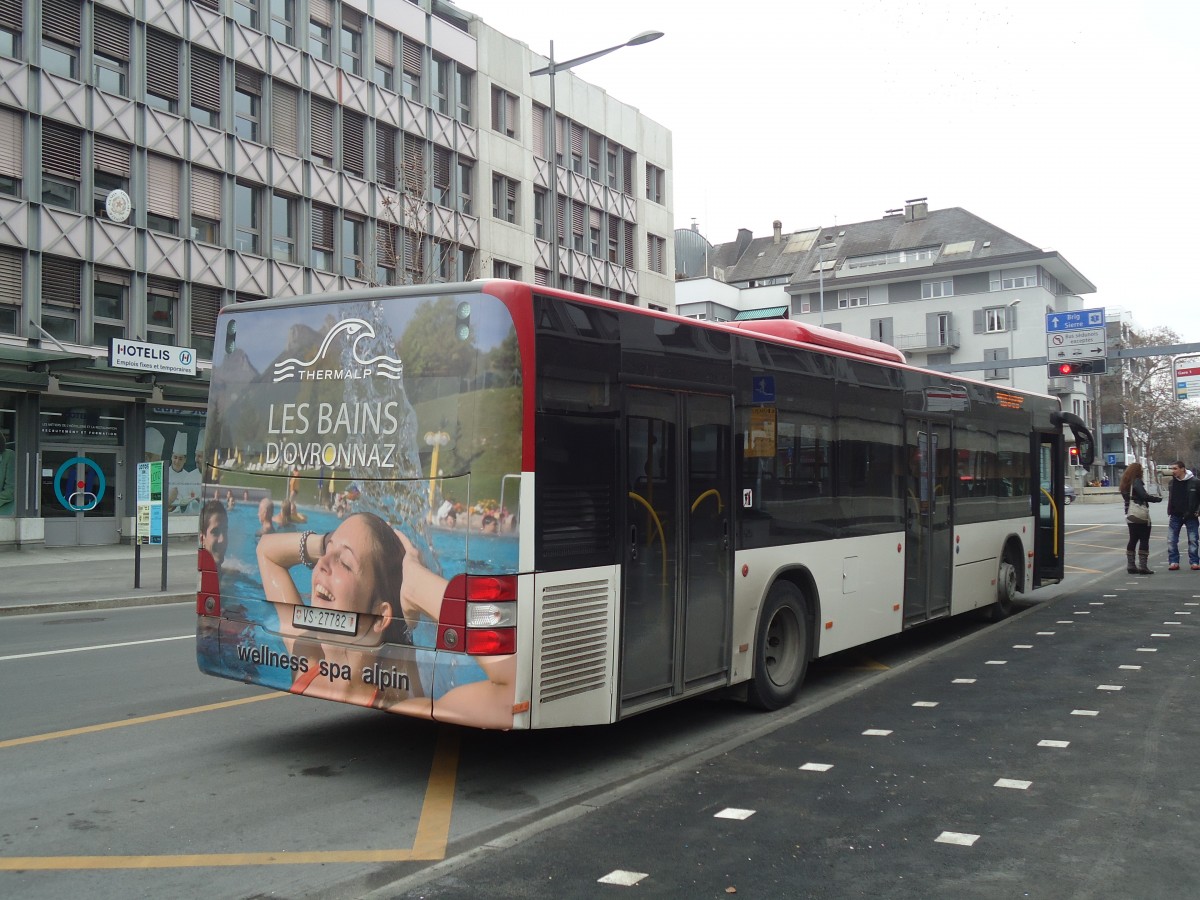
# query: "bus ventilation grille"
{"type": "Point", "coordinates": [576, 637]}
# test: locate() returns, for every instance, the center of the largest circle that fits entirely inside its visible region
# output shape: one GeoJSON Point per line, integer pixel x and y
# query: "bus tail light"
{"type": "Point", "coordinates": [479, 615]}
{"type": "Point", "coordinates": [208, 598]}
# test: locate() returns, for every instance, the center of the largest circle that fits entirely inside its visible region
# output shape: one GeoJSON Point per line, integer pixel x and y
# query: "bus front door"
{"type": "Point", "coordinates": [677, 598]}
{"type": "Point", "coordinates": [929, 523]}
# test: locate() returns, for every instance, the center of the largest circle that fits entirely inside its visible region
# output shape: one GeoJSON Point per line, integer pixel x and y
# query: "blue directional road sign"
{"type": "Point", "coordinates": [1075, 320]}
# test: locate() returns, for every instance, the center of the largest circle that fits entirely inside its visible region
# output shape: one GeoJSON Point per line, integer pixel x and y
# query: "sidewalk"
{"type": "Point", "coordinates": [70, 578]}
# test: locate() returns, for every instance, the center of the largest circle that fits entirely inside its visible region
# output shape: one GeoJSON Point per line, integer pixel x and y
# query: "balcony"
{"type": "Point", "coordinates": [928, 341]}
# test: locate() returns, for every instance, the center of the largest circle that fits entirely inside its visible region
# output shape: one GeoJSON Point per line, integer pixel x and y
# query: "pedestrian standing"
{"type": "Point", "coordinates": [1183, 502]}
{"type": "Point", "coordinates": [1137, 517]}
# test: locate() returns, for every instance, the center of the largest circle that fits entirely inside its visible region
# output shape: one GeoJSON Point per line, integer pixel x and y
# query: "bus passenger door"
{"type": "Point", "coordinates": [677, 581]}
{"type": "Point", "coordinates": [1048, 553]}
{"type": "Point", "coordinates": [929, 522]}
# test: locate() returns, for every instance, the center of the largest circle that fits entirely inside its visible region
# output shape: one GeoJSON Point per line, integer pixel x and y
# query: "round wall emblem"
{"type": "Point", "coordinates": [118, 205]}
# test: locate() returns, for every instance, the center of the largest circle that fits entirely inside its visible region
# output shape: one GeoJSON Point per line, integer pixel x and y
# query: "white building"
{"type": "Point", "coordinates": [948, 288]}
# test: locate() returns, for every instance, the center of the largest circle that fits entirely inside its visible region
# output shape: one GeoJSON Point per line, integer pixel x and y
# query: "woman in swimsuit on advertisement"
{"type": "Point", "coordinates": [367, 567]}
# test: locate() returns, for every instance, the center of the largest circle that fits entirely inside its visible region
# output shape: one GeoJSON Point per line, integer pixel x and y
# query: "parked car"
{"type": "Point", "coordinates": [1068, 493]}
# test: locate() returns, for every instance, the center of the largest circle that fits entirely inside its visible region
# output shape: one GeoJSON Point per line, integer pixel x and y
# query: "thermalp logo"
{"type": "Point", "coordinates": [356, 330]}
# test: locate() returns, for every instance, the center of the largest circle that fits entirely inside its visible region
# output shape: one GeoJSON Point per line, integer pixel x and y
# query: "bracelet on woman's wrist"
{"type": "Point", "coordinates": [305, 559]}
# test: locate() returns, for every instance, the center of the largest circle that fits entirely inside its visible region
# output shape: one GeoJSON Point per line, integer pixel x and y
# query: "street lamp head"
{"type": "Point", "coordinates": [1014, 302]}
{"type": "Point", "coordinates": [644, 38]}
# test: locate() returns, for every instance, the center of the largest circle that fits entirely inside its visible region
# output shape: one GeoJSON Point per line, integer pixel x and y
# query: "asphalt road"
{"type": "Point", "coordinates": [129, 774]}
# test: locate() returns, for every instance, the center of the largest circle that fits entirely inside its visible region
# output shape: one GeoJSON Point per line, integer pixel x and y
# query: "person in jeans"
{"type": "Point", "coordinates": [1183, 502]}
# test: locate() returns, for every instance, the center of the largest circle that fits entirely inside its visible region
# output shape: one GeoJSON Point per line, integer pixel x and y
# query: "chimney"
{"type": "Point", "coordinates": [745, 236]}
{"type": "Point", "coordinates": [778, 230]}
{"type": "Point", "coordinates": [915, 209]}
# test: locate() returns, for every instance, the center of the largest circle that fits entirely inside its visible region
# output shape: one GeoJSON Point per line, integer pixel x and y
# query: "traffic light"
{"type": "Point", "coordinates": [1079, 367]}
{"type": "Point", "coordinates": [1073, 455]}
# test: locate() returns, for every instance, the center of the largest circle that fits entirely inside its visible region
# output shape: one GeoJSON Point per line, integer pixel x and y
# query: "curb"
{"type": "Point", "coordinates": [110, 603]}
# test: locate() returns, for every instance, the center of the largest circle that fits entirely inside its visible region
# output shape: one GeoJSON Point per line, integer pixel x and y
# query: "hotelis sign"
{"type": "Point", "coordinates": [123, 354]}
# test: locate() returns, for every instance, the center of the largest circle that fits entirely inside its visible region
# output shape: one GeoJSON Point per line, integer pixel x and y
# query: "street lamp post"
{"type": "Point", "coordinates": [552, 69]}
{"type": "Point", "coordinates": [821, 248]}
{"type": "Point", "coordinates": [1012, 372]}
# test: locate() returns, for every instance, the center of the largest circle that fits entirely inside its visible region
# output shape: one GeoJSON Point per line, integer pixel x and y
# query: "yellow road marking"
{"type": "Point", "coordinates": [140, 720]}
{"type": "Point", "coordinates": [433, 828]}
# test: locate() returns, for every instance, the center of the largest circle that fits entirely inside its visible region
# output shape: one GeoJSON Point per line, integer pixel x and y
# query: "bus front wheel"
{"type": "Point", "coordinates": [780, 648]}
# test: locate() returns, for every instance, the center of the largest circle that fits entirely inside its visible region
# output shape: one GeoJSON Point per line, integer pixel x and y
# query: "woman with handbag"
{"type": "Point", "coordinates": [1137, 517]}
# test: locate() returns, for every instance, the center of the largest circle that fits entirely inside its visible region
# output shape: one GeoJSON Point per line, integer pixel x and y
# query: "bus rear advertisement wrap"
{"type": "Point", "coordinates": [356, 463]}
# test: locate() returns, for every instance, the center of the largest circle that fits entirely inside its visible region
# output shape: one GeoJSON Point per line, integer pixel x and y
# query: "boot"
{"type": "Point", "coordinates": [1143, 569]}
{"type": "Point", "coordinates": [1131, 565]}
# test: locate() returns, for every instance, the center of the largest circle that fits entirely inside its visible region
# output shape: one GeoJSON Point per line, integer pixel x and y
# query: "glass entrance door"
{"type": "Point", "coordinates": [929, 531]}
{"type": "Point", "coordinates": [79, 496]}
{"type": "Point", "coordinates": [678, 556]}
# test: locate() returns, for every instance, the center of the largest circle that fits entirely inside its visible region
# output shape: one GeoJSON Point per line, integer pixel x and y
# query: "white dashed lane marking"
{"type": "Point", "coordinates": [622, 877]}
{"type": "Point", "coordinates": [1085, 712]}
{"type": "Point", "coordinates": [1014, 783]}
{"type": "Point", "coordinates": [816, 767]}
{"type": "Point", "coordinates": [733, 813]}
{"type": "Point", "coordinates": [1056, 744]}
{"type": "Point", "coordinates": [955, 837]}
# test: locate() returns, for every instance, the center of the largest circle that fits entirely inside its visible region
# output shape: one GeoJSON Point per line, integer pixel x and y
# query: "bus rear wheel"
{"type": "Point", "coordinates": [780, 648]}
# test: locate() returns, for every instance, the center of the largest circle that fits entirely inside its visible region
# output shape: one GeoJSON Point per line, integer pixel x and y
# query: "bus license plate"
{"type": "Point", "coordinates": [324, 619]}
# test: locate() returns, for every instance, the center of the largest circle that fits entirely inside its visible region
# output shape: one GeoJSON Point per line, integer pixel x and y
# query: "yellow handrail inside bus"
{"type": "Point", "coordinates": [1053, 520]}
{"type": "Point", "coordinates": [662, 539]}
{"type": "Point", "coordinates": [714, 492]}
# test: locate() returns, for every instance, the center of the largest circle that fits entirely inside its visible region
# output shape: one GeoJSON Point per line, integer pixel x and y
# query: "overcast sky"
{"type": "Point", "coordinates": [1071, 124]}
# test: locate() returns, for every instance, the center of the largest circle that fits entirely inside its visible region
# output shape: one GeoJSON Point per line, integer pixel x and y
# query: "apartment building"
{"type": "Point", "coordinates": [950, 289]}
{"type": "Point", "coordinates": [164, 158]}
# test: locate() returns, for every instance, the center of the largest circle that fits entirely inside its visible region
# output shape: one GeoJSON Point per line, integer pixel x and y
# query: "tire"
{"type": "Point", "coordinates": [1006, 588]}
{"type": "Point", "coordinates": [781, 648]}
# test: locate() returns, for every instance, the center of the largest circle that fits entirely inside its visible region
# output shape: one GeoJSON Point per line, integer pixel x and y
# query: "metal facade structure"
{"type": "Point", "coordinates": [164, 158]}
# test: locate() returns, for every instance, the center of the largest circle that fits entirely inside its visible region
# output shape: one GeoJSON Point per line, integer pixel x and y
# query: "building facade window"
{"type": "Point", "coordinates": [322, 238]}
{"type": "Point", "coordinates": [353, 232]}
{"type": "Point", "coordinates": [206, 303]}
{"type": "Point", "coordinates": [320, 29]}
{"type": "Point", "coordinates": [247, 103]}
{"type": "Point", "coordinates": [284, 228]}
{"type": "Point", "coordinates": [247, 218]}
{"type": "Point", "coordinates": [110, 51]}
{"type": "Point", "coordinates": [505, 110]}
{"type": "Point", "coordinates": [656, 184]}
{"type": "Point", "coordinates": [285, 118]}
{"type": "Point", "coordinates": [12, 278]}
{"type": "Point", "coordinates": [61, 29]}
{"type": "Point", "coordinates": [283, 21]}
{"type": "Point", "coordinates": [11, 26]}
{"type": "Point", "coordinates": [110, 296]}
{"type": "Point", "coordinates": [162, 310]}
{"type": "Point", "coordinates": [385, 253]}
{"type": "Point", "coordinates": [851, 298]}
{"type": "Point", "coordinates": [12, 152]}
{"type": "Point", "coordinates": [441, 70]}
{"type": "Point", "coordinates": [206, 88]}
{"type": "Point", "coordinates": [466, 175]}
{"type": "Point", "coordinates": [412, 57]}
{"type": "Point", "coordinates": [246, 12]}
{"type": "Point", "coordinates": [504, 198]}
{"type": "Point", "coordinates": [997, 319]}
{"type": "Point", "coordinates": [540, 199]}
{"type": "Point", "coordinates": [162, 71]}
{"type": "Point", "coordinates": [162, 193]}
{"type": "Point", "coordinates": [321, 135]}
{"type": "Point", "coordinates": [932, 289]}
{"type": "Point", "coordinates": [464, 81]}
{"type": "Point", "coordinates": [354, 139]}
{"type": "Point", "coordinates": [384, 73]}
{"type": "Point", "coordinates": [206, 206]}
{"type": "Point", "coordinates": [504, 269]}
{"type": "Point", "coordinates": [351, 40]}
{"type": "Point", "coordinates": [61, 280]}
{"type": "Point", "coordinates": [62, 153]}
{"type": "Point", "coordinates": [656, 248]}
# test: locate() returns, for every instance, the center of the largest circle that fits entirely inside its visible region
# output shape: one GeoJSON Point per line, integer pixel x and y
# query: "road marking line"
{"type": "Point", "coordinates": [1058, 744]}
{"type": "Point", "coordinates": [734, 813]}
{"type": "Point", "coordinates": [816, 767]}
{"type": "Point", "coordinates": [140, 720]}
{"type": "Point", "coordinates": [182, 637]}
{"type": "Point", "coordinates": [1085, 712]}
{"type": "Point", "coordinates": [433, 828]}
{"type": "Point", "coordinates": [623, 877]}
{"type": "Point", "coordinates": [954, 837]}
{"type": "Point", "coordinates": [1014, 783]}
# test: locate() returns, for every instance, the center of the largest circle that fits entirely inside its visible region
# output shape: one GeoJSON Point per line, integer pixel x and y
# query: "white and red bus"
{"type": "Point", "coordinates": [508, 506]}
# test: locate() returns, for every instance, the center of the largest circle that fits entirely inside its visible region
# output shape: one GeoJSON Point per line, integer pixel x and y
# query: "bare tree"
{"type": "Point", "coordinates": [1140, 395]}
